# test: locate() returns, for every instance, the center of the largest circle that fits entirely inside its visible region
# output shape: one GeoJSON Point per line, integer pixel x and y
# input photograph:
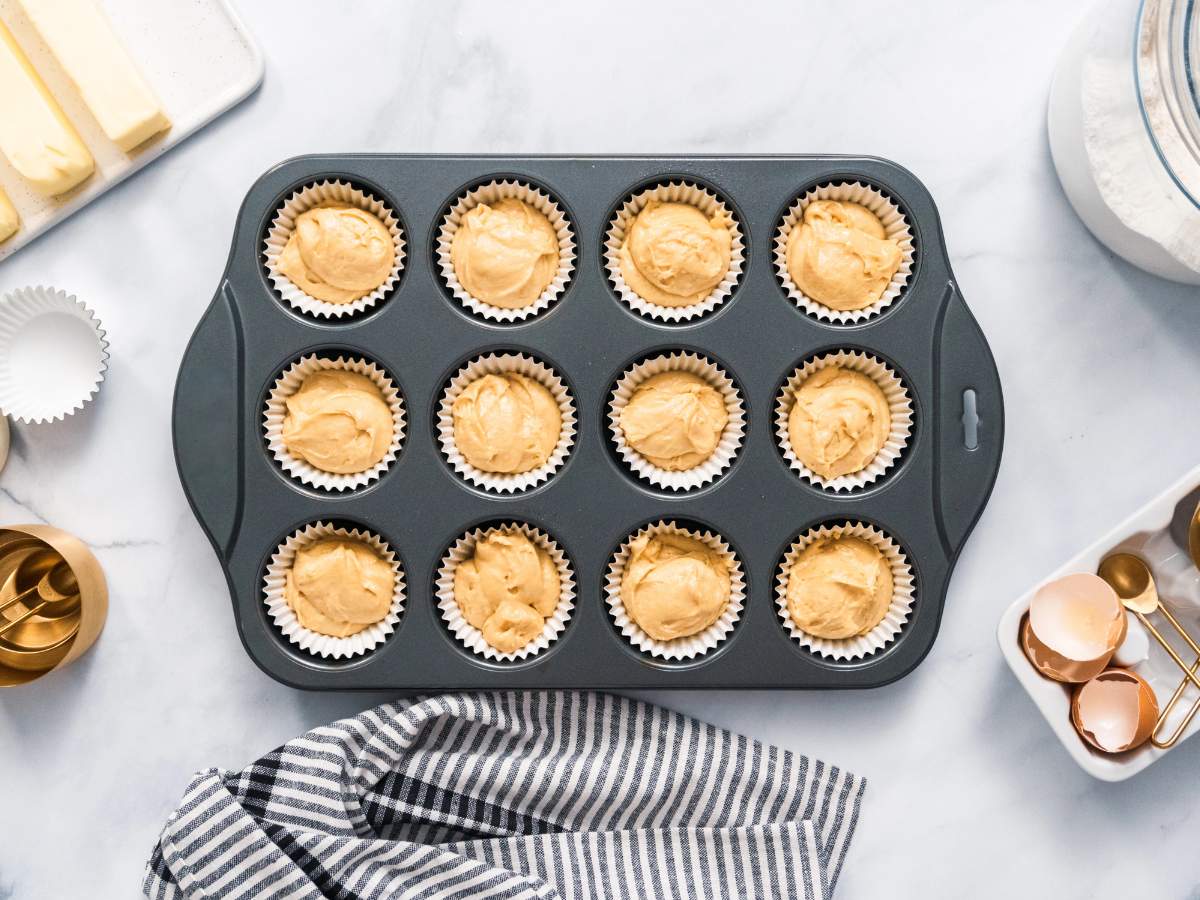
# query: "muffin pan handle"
{"type": "Point", "coordinates": [204, 425]}
{"type": "Point", "coordinates": [969, 441]}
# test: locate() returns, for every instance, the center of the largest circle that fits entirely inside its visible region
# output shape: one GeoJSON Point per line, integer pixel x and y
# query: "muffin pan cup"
{"type": "Point", "coordinates": [927, 502]}
{"type": "Point", "coordinates": [471, 637]}
{"type": "Point", "coordinates": [492, 192]}
{"type": "Point", "coordinates": [283, 223]}
{"type": "Point", "coordinates": [500, 364]}
{"type": "Point", "coordinates": [289, 383]}
{"type": "Point", "coordinates": [899, 405]}
{"type": "Point", "coordinates": [730, 441]}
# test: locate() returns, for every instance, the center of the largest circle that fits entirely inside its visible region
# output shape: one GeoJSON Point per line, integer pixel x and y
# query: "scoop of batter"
{"type": "Point", "coordinates": [507, 589]}
{"type": "Point", "coordinates": [505, 253]}
{"type": "Point", "coordinates": [841, 256]}
{"type": "Point", "coordinates": [839, 421]}
{"type": "Point", "coordinates": [674, 419]}
{"type": "Point", "coordinates": [339, 587]}
{"type": "Point", "coordinates": [674, 255]}
{"type": "Point", "coordinates": [338, 253]}
{"type": "Point", "coordinates": [674, 585]}
{"type": "Point", "coordinates": [338, 422]}
{"type": "Point", "coordinates": [506, 423]}
{"type": "Point", "coordinates": [839, 587]}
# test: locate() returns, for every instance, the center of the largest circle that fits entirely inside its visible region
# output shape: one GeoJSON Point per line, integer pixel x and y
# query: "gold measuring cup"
{"type": "Point", "coordinates": [38, 644]}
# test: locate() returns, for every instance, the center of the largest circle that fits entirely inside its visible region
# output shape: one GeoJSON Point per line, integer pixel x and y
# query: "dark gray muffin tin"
{"type": "Point", "coordinates": [247, 505]}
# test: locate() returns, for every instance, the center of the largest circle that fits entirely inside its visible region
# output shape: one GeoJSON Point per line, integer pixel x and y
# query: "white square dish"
{"type": "Point", "coordinates": [1156, 533]}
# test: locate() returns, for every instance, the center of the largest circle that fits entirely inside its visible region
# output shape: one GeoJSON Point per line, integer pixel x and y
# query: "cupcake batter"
{"type": "Point", "coordinates": [839, 422]}
{"type": "Point", "coordinates": [506, 423]}
{"type": "Point", "coordinates": [338, 253]}
{"type": "Point", "coordinates": [841, 256]}
{"type": "Point", "coordinates": [507, 589]}
{"type": "Point", "coordinates": [338, 422]}
{"type": "Point", "coordinates": [674, 585]}
{"type": "Point", "coordinates": [839, 588]}
{"type": "Point", "coordinates": [674, 255]}
{"type": "Point", "coordinates": [675, 420]}
{"type": "Point", "coordinates": [505, 253]}
{"type": "Point", "coordinates": [339, 587]}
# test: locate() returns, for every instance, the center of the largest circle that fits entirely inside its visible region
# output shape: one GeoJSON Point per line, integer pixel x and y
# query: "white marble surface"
{"type": "Point", "coordinates": [971, 795]}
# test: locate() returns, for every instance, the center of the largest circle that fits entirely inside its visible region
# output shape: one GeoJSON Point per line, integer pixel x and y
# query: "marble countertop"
{"type": "Point", "coordinates": [970, 792]}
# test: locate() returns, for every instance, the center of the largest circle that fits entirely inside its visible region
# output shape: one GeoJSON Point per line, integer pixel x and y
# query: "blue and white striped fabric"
{"type": "Point", "coordinates": [579, 796]}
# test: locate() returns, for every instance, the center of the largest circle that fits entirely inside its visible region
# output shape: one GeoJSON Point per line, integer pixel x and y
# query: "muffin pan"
{"type": "Point", "coordinates": [420, 334]}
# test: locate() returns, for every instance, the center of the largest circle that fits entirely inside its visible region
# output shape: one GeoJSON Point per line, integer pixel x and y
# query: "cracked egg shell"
{"type": "Point", "coordinates": [1073, 627]}
{"type": "Point", "coordinates": [1115, 711]}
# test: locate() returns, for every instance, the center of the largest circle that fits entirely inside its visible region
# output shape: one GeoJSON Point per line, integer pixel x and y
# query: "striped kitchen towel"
{"type": "Point", "coordinates": [556, 794]}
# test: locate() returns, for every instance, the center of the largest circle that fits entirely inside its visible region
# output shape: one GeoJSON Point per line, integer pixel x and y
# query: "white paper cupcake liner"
{"type": "Point", "coordinates": [899, 403]}
{"type": "Point", "coordinates": [498, 364]}
{"type": "Point", "coordinates": [692, 645]}
{"type": "Point", "coordinates": [493, 192]}
{"type": "Point", "coordinates": [893, 620]}
{"type": "Point", "coordinates": [673, 192]}
{"type": "Point", "coordinates": [53, 355]}
{"type": "Point", "coordinates": [895, 226]}
{"type": "Point", "coordinates": [276, 411]}
{"type": "Point", "coordinates": [307, 198]}
{"type": "Point", "coordinates": [731, 438]}
{"type": "Point", "coordinates": [274, 594]}
{"type": "Point", "coordinates": [470, 636]}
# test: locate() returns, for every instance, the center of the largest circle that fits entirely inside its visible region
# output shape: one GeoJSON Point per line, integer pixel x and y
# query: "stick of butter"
{"type": "Point", "coordinates": [83, 42]}
{"type": "Point", "coordinates": [34, 134]}
{"type": "Point", "coordinates": [9, 220]}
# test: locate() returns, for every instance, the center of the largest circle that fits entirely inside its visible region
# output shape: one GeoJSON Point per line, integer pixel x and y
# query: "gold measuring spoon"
{"type": "Point", "coordinates": [1130, 577]}
{"type": "Point", "coordinates": [58, 592]}
{"type": "Point", "coordinates": [1173, 739]}
{"type": "Point", "coordinates": [30, 565]}
{"type": "Point", "coordinates": [1193, 539]}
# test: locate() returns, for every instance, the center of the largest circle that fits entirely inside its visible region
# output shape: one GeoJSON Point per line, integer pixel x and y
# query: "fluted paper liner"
{"type": "Point", "coordinates": [76, 379]}
{"type": "Point", "coordinates": [302, 201]}
{"type": "Point", "coordinates": [673, 192]}
{"type": "Point", "coordinates": [893, 620]}
{"type": "Point", "coordinates": [895, 227]}
{"type": "Point", "coordinates": [689, 646]}
{"type": "Point", "coordinates": [899, 403]}
{"type": "Point", "coordinates": [727, 447]}
{"type": "Point", "coordinates": [470, 636]}
{"type": "Point", "coordinates": [275, 412]}
{"type": "Point", "coordinates": [498, 364]}
{"type": "Point", "coordinates": [493, 192]}
{"type": "Point", "coordinates": [323, 645]}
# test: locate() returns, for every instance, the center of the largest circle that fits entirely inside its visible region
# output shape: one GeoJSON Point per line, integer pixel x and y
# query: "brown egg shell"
{"type": "Point", "coordinates": [1147, 710]}
{"type": "Point", "coordinates": [1058, 667]}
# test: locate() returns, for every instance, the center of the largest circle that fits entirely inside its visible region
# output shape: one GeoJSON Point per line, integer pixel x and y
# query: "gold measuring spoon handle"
{"type": "Point", "coordinates": [1162, 642]}
{"type": "Point", "coordinates": [1167, 743]}
{"type": "Point", "coordinates": [28, 614]}
{"type": "Point", "coordinates": [1179, 628]}
{"type": "Point", "coordinates": [21, 596]}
